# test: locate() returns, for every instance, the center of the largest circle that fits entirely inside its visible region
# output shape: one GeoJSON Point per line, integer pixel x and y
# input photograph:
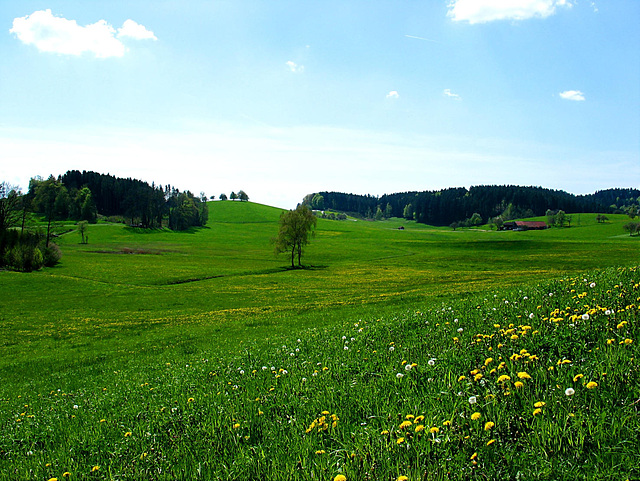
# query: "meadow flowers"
{"type": "Point", "coordinates": [475, 416]}
{"type": "Point", "coordinates": [569, 391]}
{"type": "Point", "coordinates": [592, 385]}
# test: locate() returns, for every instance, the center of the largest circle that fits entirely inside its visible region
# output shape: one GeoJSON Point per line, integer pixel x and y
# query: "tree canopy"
{"type": "Point", "coordinates": [294, 232]}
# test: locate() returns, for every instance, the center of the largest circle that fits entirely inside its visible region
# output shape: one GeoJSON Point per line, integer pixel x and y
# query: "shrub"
{"type": "Point", "coordinates": [51, 255]}
{"type": "Point", "coordinates": [24, 257]}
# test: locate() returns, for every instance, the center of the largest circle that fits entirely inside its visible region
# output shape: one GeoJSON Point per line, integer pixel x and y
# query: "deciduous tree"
{"type": "Point", "coordinates": [295, 229]}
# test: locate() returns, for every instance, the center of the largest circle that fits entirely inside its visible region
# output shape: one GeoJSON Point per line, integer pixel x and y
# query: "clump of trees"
{"type": "Point", "coordinates": [241, 196]}
{"type": "Point", "coordinates": [295, 228]}
{"type": "Point", "coordinates": [20, 249]}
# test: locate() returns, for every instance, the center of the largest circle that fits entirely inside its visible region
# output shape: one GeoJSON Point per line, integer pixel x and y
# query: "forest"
{"type": "Point", "coordinates": [484, 203]}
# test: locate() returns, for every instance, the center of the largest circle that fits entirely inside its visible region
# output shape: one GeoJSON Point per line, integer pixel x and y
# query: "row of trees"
{"type": "Point", "coordinates": [447, 206]}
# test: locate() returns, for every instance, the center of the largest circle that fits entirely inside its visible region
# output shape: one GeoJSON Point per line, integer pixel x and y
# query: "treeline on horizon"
{"type": "Point", "coordinates": [455, 205]}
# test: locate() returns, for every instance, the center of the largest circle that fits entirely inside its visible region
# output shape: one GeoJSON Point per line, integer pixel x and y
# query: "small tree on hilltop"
{"type": "Point", "coordinates": [295, 228]}
{"type": "Point", "coordinates": [242, 195]}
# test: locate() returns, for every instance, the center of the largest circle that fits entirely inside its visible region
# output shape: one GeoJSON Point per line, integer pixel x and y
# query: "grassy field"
{"type": "Point", "coordinates": [142, 351]}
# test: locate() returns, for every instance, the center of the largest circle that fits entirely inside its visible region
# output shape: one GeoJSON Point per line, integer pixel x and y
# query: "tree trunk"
{"type": "Point", "coordinates": [293, 252]}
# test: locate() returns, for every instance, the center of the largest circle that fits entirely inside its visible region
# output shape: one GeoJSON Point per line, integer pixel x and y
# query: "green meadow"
{"type": "Point", "coordinates": [200, 355]}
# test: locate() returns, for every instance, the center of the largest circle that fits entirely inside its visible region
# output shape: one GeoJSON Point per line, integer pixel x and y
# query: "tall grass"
{"type": "Point", "coordinates": [536, 382]}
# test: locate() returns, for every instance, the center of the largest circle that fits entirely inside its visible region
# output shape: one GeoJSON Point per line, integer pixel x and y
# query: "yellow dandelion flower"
{"type": "Point", "coordinates": [127, 434]}
{"type": "Point", "coordinates": [400, 441]}
{"type": "Point", "coordinates": [236, 425]}
{"type": "Point", "coordinates": [402, 478]}
{"type": "Point", "coordinates": [488, 361]}
{"type": "Point", "coordinates": [524, 375]}
{"type": "Point", "coordinates": [190, 400]}
{"type": "Point", "coordinates": [321, 451]}
{"type": "Point", "coordinates": [475, 416]}
{"type": "Point", "coordinates": [490, 442]}
{"type": "Point", "coordinates": [474, 456]}
{"type": "Point", "coordinates": [384, 432]}
{"type": "Point", "coordinates": [405, 424]}
{"type": "Point", "coordinates": [95, 468]}
{"type": "Point", "coordinates": [477, 377]}
{"type": "Point", "coordinates": [592, 385]}
{"type": "Point", "coordinates": [434, 430]}
{"type": "Point", "coordinates": [518, 384]}
{"type": "Point", "coordinates": [53, 479]}
{"type": "Point", "coordinates": [539, 404]}
{"type": "Point", "coordinates": [537, 411]}
{"type": "Point", "coordinates": [419, 427]}
{"type": "Point", "coordinates": [488, 426]}
{"type": "Point", "coordinates": [409, 416]}
{"type": "Point", "coordinates": [340, 477]}
{"type": "Point", "coordinates": [577, 377]}
{"type": "Point", "coordinates": [418, 419]}
{"type": "Point", "coordinates": [462, 378]}
{"type": "Point", "coordinates": [610, 341]}
{"type": "Point", "coordinates": [504, 378]}
{"type": "Point", "coordinates": [325, 413]}
{"type": "Point", "coordinates": [628, 341]}
{"type": "Point", "coordinates": [103, 420]}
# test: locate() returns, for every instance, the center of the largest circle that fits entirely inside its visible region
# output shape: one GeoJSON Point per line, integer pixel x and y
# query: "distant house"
{"type": "Point", "coordinates": [524, 225]}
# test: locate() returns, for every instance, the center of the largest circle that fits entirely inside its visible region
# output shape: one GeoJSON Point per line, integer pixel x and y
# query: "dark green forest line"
{"type": "Point", "coordinates": [455, 205]}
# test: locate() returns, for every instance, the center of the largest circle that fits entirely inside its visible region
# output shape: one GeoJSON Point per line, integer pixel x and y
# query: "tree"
{"type": "Point", "coordinates": [223, 197]}
{"type": "Point", "coordinates": [388, 211]}
{"type": "Point", "coordinates": [379, 214]}
{"type": "Point", "coordinates": [551, 217]}
{"type": "Point", "coordinates": [560, 218]}
{"type": "Point", "coordinates": [233, 196]}
{"type": "Point", "coordinates": [82, 229]}
{"type": "Point", "coordinates": [9, 206]}
{"type": "Point", "coordinates": [295, 228]}
{"type": "Point", "coordinates": [47, 193]}
{"type": "Point", "coordinates": [475, 219]}
{"type": "Point", "coordinates": [242, 195]}
{"type": "Point", "coordinates": [632, 227]}
{"type": "Point", "coordinates": [317, 202]}
{"type": "Point", "coordinates": [407, 212]}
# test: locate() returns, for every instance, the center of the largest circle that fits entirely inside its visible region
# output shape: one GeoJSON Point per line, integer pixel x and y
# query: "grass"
{"type": "Point", "coordinates": [159, 334]}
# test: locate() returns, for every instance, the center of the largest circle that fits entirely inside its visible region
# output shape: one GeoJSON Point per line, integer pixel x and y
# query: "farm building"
{"type": "Point", "coordinates": [524, 225]}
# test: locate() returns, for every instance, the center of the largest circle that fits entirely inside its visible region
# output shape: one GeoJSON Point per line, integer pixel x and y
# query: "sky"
{"type": "Point", "coordinates": [285, 98]}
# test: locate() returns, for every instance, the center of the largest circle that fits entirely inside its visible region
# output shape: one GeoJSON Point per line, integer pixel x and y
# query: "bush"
{"type": "Point", "coordinates": [24, 257]}
{"type": "Point", "coordinates": [51, 255]}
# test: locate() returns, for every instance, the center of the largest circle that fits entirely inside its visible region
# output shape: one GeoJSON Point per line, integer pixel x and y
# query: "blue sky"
{"type": "Point", "coordinates": [285, 98]}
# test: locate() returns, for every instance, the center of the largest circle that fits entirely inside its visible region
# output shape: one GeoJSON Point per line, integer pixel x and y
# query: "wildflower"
{"type": "Point", "coordinates": [537, 411]}
{"type": "Point", "coordinates": [53, 479]}
{"type": "Point", "coordinates": [321, 451]}
{"type": "Point", "coordinates": [462, 378]}
{"type": "Point", "coordinates": [431, 362]}
{"type": "Point", "coordinates": [95, 468]}
{"type": "Point", "coordinates": [592, 385]}
{"type": "Point", "coordinates": [503, 378]}
{"type": "Point", "coordinates": [621, 325]}
{"type": "Point", "coordinates": [474, 456]}
{"type": "Point", "coordinates": [569, 391]}
{"type": "Point", "coordinates": [399, 375]}
{"type": "Point", "coordinates": [446, 423]}
{"type": "Point", "coordinates": [475, 416]}
{"type": "Point", "coordinates": [577, 377]}
{"type": "Point", "coordinates": [127, 434]}
{"type": "Point", "coordinates": [392, 349]}
{"type": "Point", "coordinates": [400, 441]}
{"type": "Point", "coordinates": [340, 477]}
{"type": "Point", "coordinates": [473, 400]}
{"type": "Point", "coordinates": [585, 317]}
{"type": "Point", "coordinates": [402, 478]}
{"type": "Point", "coordinates": [488, 361]}
{"type": "Point", "coordinates": [407, 367]}
{"type": "Point", "coordinates": [539, 404]}
{"type": "Point", "coordinates": [477, 377]}
{"type": "Point", "coordinates": [418, 419]}
{"type": "Point", "coordinates": [236, 425]}
{"type": "Point", "coordinates": [405, 424]}
{"type": "Point", "coordinates": [628, 341]}
{"type": "Point", "coordinates": [434, 430]}
{"type": "Point", "coordinates": [190, 400]}
{"type": "Point", "coordinates": [518, 384]}
{"type": "Point", "coordinates": [384, 432]}
{"type": "Point", "coordinates": [610, 341]}
{"type": "Point", "coordinates": [419, 427]}
{"type": "Point", "coordinates": [488, 426]}
{"type": "Point", "coordinates": [490, 442]}
{"type": "Point", "coordinates": [592, 285]}
{"type": "Point", "coordinates": [524, 375]}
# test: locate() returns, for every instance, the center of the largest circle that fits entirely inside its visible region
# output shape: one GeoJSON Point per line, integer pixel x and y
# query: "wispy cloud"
{"type": "Point", "coordinates": [49, 33]}
{"type": "Point", "coordinates": [294, 67]}
{"type": "Point", "coordinates": [422, 38]}
{"type": "Point", "coordinates": [575, 95]}
{"type": "Point", "coordinates": [449, 93]}
{"type": "Point", "coordinates": [482, 11]}
{"type": "Point", "coordinates": [393, 95]}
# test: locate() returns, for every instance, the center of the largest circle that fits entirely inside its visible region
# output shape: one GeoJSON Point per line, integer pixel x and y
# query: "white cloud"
{"type": "Point", "coordinates": [449, 93]}
{"type": "Point", "coordinates": [49, 33]}
{"type": "Point", "coordinates": [572, 95]}
{"type": "Point", "coordinates": [136, 31]}
{"type": "Point", "coordinates": [393, 95]}
{"type": "Point", "coordinates": [482, 11]}
{"type": "Point", "coordinates": [294, 67]}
